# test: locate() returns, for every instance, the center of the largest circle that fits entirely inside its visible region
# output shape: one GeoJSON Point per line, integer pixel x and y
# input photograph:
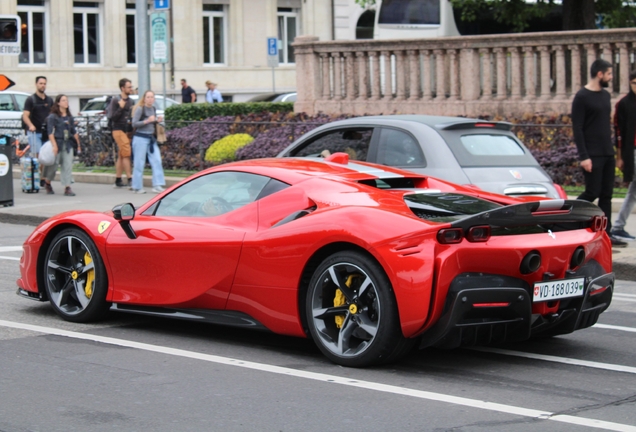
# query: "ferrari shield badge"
{"type": "Point", "coordinates": [103, 226]}
{"type": "Point", "coordinates": [516, 174]}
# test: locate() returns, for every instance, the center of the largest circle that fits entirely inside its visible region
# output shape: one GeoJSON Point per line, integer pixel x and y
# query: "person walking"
{"type": "Point", "coordinates": [625, 133]}
{"type": "Point", "coordinates": [145, 143]}
{"type": "Point", "coordinates": [188, 95]}
{"type": "Point", "coordinates": [213, 94]}
{"type": "Point", "coordinates": [61, 129]}
{"type": "Point", "coordinates": [36, 108]}
{"type": "Point", "coordinates": [120, 117]}
{"type": "Point", "coordinates": [591, 118]}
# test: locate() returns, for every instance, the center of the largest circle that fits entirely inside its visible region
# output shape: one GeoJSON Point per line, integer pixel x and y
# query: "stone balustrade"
{"type": "Point", "coordinates": [507, 75]}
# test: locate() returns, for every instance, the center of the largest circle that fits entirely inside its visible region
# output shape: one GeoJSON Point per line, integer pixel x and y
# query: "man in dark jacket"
{"type": "Point", "coordinates": [188, 95]}
{"type": "Point", "coordinates": [625, 132]}
{"type": "Point", "coordinates": [119, 115]}
{"type": "Point", "coordinates": [591, 125]}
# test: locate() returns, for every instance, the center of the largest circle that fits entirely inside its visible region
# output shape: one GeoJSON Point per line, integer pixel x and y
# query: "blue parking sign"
{"type": "Point", "coordinates": [162, 4]}
{"type": "Point", "coordinates": [272, 46]}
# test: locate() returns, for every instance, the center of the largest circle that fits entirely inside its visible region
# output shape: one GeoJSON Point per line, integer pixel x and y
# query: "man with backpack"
{"type": "Point", "coordinates": [119, 113]}
{"type": "Point", "coordinates": [36, 109]}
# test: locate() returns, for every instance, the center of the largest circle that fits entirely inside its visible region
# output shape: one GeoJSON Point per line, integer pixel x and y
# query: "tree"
{"type": "Point", "coordinates": [577, 14]}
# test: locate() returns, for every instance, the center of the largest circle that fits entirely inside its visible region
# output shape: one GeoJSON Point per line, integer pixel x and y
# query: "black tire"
{"type": "Point", "coordinates": [75, 278]}
{"type": "Point", "coordinates": [352, 313]}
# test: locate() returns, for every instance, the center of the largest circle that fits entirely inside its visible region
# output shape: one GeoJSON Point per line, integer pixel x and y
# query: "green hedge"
{"type": "Point", "coordinates": [201, 111]}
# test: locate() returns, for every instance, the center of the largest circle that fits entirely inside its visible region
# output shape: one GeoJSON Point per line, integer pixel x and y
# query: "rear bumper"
{"type": "Point", "coordinates": [489, 309]}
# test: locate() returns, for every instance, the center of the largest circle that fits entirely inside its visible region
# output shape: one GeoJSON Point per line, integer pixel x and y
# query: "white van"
{"type": "Point", "coordinates": [414, 19]}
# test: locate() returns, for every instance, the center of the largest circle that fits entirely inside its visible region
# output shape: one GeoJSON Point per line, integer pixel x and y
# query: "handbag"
{"type": "Point", "coordinates": [47, 155]}
{"type": "Point", "coordinates": [160, 133]}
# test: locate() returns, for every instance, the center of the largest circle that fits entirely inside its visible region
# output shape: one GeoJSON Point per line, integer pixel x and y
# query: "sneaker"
{"type": "Point", "coordinates": [158, 189]}
{"type": "Point", "coordinates": [68, 192]}
{"type": "Point", "coordinates": [49, 188]}
{"type": "Point", "coordinates": [118, 184]}
{"type": "Point", "coordinates": [622, 234]}
{"type": "Point", "coordinates": [138, 191]}
{"type": "Point", "coordinates": [617, 243]}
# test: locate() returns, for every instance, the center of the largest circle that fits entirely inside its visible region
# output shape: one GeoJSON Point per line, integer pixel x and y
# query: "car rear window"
{"type": "Point", "coordinates": [491, 145]}
{"type": "Point", "coordinates": [446, 207]}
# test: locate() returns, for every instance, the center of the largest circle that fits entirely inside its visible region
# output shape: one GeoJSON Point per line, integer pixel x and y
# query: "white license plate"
{"type": "Point", "coordinates": [558, 289]}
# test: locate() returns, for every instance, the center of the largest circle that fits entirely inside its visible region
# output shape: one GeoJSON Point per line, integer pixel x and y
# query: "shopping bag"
{"type": "Point", "coordinates": [47, 155]}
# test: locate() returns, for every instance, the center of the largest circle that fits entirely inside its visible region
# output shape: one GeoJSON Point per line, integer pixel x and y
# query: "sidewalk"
{"type": "Point", "coordinates": [95, 192]}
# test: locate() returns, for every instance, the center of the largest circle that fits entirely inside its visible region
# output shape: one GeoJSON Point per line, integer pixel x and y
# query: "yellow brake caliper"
{"type": "Point", "coordinates": [339, 300]}
{"type": "Point", "coordinates": [90, 276]}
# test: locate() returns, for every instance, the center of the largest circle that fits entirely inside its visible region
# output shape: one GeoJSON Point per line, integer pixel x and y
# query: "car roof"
{"type": "Point", "coordinates": [436, 122]}
{"type": "Point", "coordinates": [15, 92]}
{"type": "Point", "coordinates": [103, 98]}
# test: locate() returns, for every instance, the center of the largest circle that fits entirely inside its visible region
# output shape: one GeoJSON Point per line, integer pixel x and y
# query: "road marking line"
{"type": "Point", "coordinates": [10, 258]}
{"type": "Point", "coordinates": [625, 299]}
{"type": "Point", "coordinates": [613, 327]}
{"type": "Point", "coordinates": [555, 359]}
{"type": "Point", "coordinates": [10, 248]}
{"type": "Point", "coordinates": [334, 379]}
{"type": "Point", "coordinates": [625, 295]}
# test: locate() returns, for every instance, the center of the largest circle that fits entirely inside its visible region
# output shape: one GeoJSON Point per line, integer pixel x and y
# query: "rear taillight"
{"type": "Point", "coordinates": [478, 234]}
{"type": "Point", "coordinates": [561, 192]}
{"type": "Point", "coordinates": [450, 235]}
{"type": "Point", "coordinates": [599, 223]}
{"type": "Point", "coordinates": [490, 125]}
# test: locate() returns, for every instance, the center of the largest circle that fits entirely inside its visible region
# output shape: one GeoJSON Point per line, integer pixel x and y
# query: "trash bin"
{"type": "Point", "coordinates": [6, 171]}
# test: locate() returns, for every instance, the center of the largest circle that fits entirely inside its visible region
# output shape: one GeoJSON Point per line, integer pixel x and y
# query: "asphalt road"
{"type": "Point", "coordinates": [131, 373]}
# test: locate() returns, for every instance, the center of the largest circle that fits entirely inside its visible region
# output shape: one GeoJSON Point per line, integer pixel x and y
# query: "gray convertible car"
{"type": "Point", "coordinates": [465, 151]}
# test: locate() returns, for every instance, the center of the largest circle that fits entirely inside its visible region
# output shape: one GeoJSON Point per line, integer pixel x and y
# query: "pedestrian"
{"type": "Point", "coordinates": [120, 117]}
{"type": "Point", "coordinates": [213, 94]}
{"type": "Point", "coordinates": [61, 129]}
{"type": "Point", "coordinates": [625, 133]}
{"type": "Point", "coordinates": [36, 108]}
{"type": "Point", "coordinates": [145, 143]}
{"type": "Point", "coordinates": [591, 112]}
{"type": "Point", "coordinates": [188, 95]}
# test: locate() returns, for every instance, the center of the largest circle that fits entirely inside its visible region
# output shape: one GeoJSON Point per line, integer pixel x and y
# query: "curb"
{"type": "Point", "coordinates": [103, 178]}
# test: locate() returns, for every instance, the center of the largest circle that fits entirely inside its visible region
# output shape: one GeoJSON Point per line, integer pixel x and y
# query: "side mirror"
{"type": "Point", "coordinates": [124, 213]}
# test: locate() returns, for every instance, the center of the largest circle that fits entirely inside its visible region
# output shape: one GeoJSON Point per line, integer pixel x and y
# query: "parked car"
{"type": "Point", "coordinates": [11, 108]}
{"type": "Point", "coordinates": [366, 260]}
{"type": "Point", "coordinates": [96, 107]}
{"type": "Point", "coordinates": [275, 97]}
{"type": "Point", "coordinates": [482, 154]}
{"type": "Point", "coordinates": [285, 97]}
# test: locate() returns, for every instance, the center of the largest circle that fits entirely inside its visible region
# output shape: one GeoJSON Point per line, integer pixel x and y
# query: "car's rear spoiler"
{"type": "Point", "coordinates": [556, 211]}
{"type": "Point", "coordinates": [471, 124]}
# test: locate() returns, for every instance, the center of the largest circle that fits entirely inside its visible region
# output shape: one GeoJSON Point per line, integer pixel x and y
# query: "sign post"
{"type": "Point", "coordinates": [272, 58]}
{"type": "Point", "coordinates": [159, 32]}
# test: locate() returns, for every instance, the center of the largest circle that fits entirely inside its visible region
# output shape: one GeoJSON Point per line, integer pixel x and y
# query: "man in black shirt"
{"type": "Point", "coordinates": [591, 111]}
{"type": "Point", "coordinates": [36, 109]}
{"type": "Point", "coordinates": [120, 115]}
{"type": "Point", "coordinates": [188, 95]}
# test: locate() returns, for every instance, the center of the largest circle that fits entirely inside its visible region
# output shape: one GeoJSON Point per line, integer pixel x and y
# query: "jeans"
{"type": "Point", "coordinates": [35, 141]}
{"type": "Point", "coordinates": [140, 149]}
{"type": "Point", "coordinates": [628, 204]}
{"type": "Point", "coordinates": [600, 184]}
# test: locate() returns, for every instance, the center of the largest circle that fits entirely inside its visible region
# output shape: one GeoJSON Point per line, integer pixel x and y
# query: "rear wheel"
{"type": "Point", "coordinates": [75, 278]}
{"type": "Point", "coordinates": [352, 312]}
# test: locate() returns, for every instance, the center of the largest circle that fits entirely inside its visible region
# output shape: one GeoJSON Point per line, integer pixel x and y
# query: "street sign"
{"type": "Point", "coordinates": [10, 35]}
{"type": "Point", "coordinates": [272, 46]}
{"type": "Point", "coordinates": [5, 82]}
{"type": "Point", "coordinates": [162, 4]}
{"type": "Point", "coordinates": [159, 31]}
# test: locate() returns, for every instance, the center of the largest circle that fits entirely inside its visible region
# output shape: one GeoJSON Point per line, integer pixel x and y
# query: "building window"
{"type": "Point", "coordinates": [214, 31]}
{"type": "Point", "coordinates": [86, 31]}
{"type": "Point", "coordinates": [131, 40]}
{"type": "Point", "coordinates": [33, 16]}
{"type": "Point", "coordinates": [287, 31]}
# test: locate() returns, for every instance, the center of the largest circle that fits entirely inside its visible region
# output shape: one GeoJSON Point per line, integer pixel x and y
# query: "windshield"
{"type": "Point", "coordinates": [446, 207]}
{"type": "Point", "coordinates": [20, 99]}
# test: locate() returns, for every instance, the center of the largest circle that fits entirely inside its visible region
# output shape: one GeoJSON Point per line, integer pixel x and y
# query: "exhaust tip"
{"type": "Point", "coordinates": [577, 257]}
{"type": "Point", "coordinates": [530, 263]}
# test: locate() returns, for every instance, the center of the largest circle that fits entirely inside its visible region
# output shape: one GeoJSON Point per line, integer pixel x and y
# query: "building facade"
{"type": "Point", "coordinates": [85, 47]}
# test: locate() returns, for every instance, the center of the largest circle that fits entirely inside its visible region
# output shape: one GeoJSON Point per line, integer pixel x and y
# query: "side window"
{"type": "Point", "coordinates": [399, 149]}
{"type": "Point", "coordinates": [21, 100]}
{"type": "Point", "coordinates": [354, 142]}
{"type": "Point", "coordinates": [215, 194]}
{"type": "Point", "coordinates": [6, 103]}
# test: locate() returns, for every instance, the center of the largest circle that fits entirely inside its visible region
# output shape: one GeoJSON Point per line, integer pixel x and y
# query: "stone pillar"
{"type": "Point", "coordinates": [307, 71]}
{"type": "Point", "coordinates": [469, 80]}
{"type": "Point", "coordinates": [559, 71]}
{"type": "Point", "coordinates": [376, 86]}
{"type": "Point", "coordinates": [454, 79]}
{"type": "Point", "coordinates": [400, 76]}
{"type": "Point", "coordinates": [337, 75]}
{"type": "Point", "coordinates": [414, 74]}
{"type": "Point", "coordinates": [426, 79]}
{"type": "Point", "coordinates": [440, 75]}
{"type": "Point", "coordinates": [606, 53]}
{"type": "Point", "coordinates": [363, 76]}
{"type": "Point", "coordinates": [326, 81]}
{"type": "Point", "coordinates": [486, 67]}
{"type": "Point", "coordinates": [545, 72]}
{"type": "Point", "coordinates": [530, 72]}
{"type": "Point", "coordinates": [516, 76]}
{"type": "Point", "coordinates": [388, 87]}
{"type": "Point", "coordinates": [575, 60]}
{"type": "Point", "coordinates": [500, 54]}
{"type": "Point", "coordinates": [350, 90]}
{"type": "Point", "coordinates": [591, 56]}
{"type": "Point", "coordinates": [623, 56]}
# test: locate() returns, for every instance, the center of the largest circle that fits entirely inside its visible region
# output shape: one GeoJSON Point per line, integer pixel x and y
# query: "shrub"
{"type": "Point", "coordinates": [178, 115]}
{"type": "Point", "coordinates": [224, 150]}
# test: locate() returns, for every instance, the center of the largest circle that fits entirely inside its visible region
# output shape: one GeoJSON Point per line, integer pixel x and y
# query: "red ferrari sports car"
{"type": "Point", "coordinates": [365, 259]}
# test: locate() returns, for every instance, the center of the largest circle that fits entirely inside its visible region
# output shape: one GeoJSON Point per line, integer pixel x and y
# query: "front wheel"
{"type": "Point", "coordinates": [352, 312]}
{"type": "Point", "coordinates": [75, 278]}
